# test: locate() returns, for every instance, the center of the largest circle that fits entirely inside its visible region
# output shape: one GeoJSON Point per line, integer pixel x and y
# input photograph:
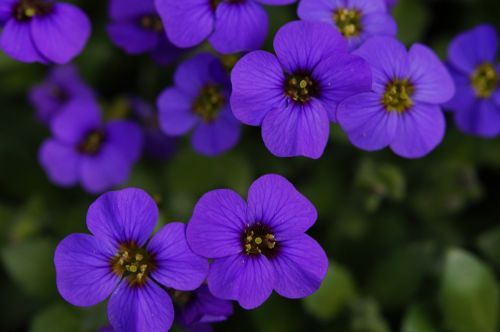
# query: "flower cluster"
{"type": "Point", "coordinates": [256, 247]}
{"type": "Point", "coordinates": [340, 63]}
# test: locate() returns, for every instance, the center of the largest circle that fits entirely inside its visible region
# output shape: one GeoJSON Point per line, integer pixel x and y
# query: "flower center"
{"type": "Point", "coordinates": [209, 103]}
{"type": "Point", "coordinates": [151, 22]}
{"type": "Point", "coordinates": [348, 21]}
{"type": "Point", "coordinates": [397, 96]}
{"type": "Point", "coordinates": [58, 93]}
{"type": "Point", "coordinates": [92, 143]}
{"type": "Point", "coordinates": [300, 88]}
{"type": "Point", "coordinates": [25, 10]}
{"type": "Point", "coordinates": [259, 239]}
{"type": "Point", "coordinates": [485, 80]}
{"type": "Point", "coordinates": [133, 263]}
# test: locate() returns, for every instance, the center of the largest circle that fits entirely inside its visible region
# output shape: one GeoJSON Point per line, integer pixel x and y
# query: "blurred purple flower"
{"type": "Point", "coordinates": [156, 145]}
{"type": "Point", "coordinates": [84, 150]}
{"type": "Point", "coordinates": [471, 59]}
{"type": "Point", "coordinates": [230, 26]}
{"type": "Point", "coordinates": [120, 261]}
{"type": "Point", "coordinates": [42, 30]}
{"type": "Point", "coordinates": [199, 100]}
{"type": "Point", "coordinates": [62, 85]}
{"type": "Point", "coordinates": [294, 94]}
{"type": "Point", "coordinates": [258, 245]}
{"type": "Point", "coordinates": [391, 3]}
{"type": "Point", "coordinates": [356, 20]}
{"type": "Point", "coordinates": [403, 110]}
{"type": "Point", "coordinates": [137, 28]}
{"type": "Point", "coordinates": [194, 311]}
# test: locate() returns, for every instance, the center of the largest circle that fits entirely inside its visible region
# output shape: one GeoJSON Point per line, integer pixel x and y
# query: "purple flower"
{"type": "Point", "coordinates": [258, 245]}
{"type": "Point", "coordinates": [391, 3]}
{"type": "Point", "coordinates": [199, 100]}
{"type": "Point", "coordinates": [403, 110]}
{"type": "Point", "coordinates": [196, 310]}
{"type": "Point", "coordinates": [156, 145]}
{"type": "Point", "coordinates": [118, 259]}
{"type": "Point", "coordinates": [230, 25]}
{"type": "Point", "coordinates": [62, 85]}
{"type": "Point", "coordinates": [137, 28]}
{"type": "Point", "coordinates": [356, 20]}
{"type": "Point", "coordinates": [42, 31]}
{"type": "Point", "coordinates": [294, 95]}
{"type": "Point", "coordinates": [85, 150]}
{"type": "Point", "coordinates": [471, 58]}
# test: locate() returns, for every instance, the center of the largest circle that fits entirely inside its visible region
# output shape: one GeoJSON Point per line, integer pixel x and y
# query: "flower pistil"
{"type": "Point", "coordinates": [300, 88]}
{"type": "Point", "coordinates": [484, 80]}
{"type": "Point", "coordinates": [259, 239]}
{"type": "Point", "coordinates": [209, 103]}
{"type": "Point", "coordinates": [397, 96]}
{"type": "Point", "coordinates": [348, 21]}
{"type": "Point", "coordinates": [27, 9]}
{"type": "Point", "coordinates": [133, 262]}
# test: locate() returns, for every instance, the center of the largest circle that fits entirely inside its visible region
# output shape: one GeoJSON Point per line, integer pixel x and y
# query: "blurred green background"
{"type": "Point", "coordinates": [414, 245]}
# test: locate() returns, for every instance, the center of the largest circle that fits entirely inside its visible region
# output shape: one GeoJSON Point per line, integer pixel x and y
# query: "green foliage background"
{"type": "Point", "coordinates": [414, 245]}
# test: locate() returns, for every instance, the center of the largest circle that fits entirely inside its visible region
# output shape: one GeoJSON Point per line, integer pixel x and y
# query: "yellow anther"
{"type": "Point", "coordinates": [249, 238]}
{"type": "Point", "coordinates": [248, 247]}
{"type": "Point", "coordinates": [303, 84]}
{"type": "Point", "coordinates": [269, 236]}
{"type": "Point", "coordinates": [139, 276]}
{"type": "Point", "coordinates": [258, 240]}
{"type": "Point", "coordinates": [143, 268]}
{"type": "Point", "coordinates": [132, 268]}
{"type": "Point", "coordinates": [30, 12]}
{"type": "Point", "coordinates": [271, 245]}
{"type": "Point", "coordinates": [138, 257]}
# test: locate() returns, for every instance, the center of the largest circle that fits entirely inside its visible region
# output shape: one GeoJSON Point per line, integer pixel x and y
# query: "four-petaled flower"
{"type": "Point", "coordinates": [403, 110]}
{"type": "Point", "coordinates": [84, 150]}
{"type": "Point", "coordinates": [471, 59]}
{"type": "Point", "coordinates": [294, 95]}
{"type": "Point", "coordinates": [120, 260]}
{"type": "Point", "coordinates": [62, 85]}
{"type": "Point", "coordinates": [199, 100]}
{"type": "Point", "coordinates": [258, 245]}
{"type": "Point", "coordinates": [137, 28]}
{"type": "Point", "coordinates": [42, 30]}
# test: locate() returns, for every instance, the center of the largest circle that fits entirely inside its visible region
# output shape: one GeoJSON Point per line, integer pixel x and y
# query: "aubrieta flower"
{"type": "Point", "coordinates": [196, 310]}
{"type": "Point", "coordinates": [258, 245]}
{"type": "Point", "coordinates": [120, 260]}
{"type": "Point", "coordinates": [137, 28]}
{"type": "Point", "coordinates": [156, 145]}
{"type": "Point", "coordinates": [471, 59]}
{"type": "Point", "coordinates": [62, 85]}
{"type": "Point", "coordinates": [230, 25]}
{"type": "Point", "coordinates": [42, 30]}
{"type": "Point", "coordinates": [403, 111]}
{"type": "Point", "coordinates": [391, 3]}
{"type": "Point", "coordinates": [200, 100]}
{"type": "Point", "coordinates": [356, 20]}
{"type": "Point", "coordinates": [294, 95]}
{"type": "Point", "coordinates": [84, 150]}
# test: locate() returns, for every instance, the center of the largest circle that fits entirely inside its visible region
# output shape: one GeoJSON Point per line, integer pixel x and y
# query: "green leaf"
{"type": "Point", "coordinates": [403, 271]}
{"type": "Point", "coordinates": [489, 244]}
{"type": "Point", "coordinates": [56, 318]}
{"type": "Point", "coordinates": [470, 294]}
{"type": "Point", "coordinates": [30, 265]}
{"type": "Point", "coordinates": [366, 317]}
{"type": "Point", "coordinates": [412, 18]}
{"type": "Point", "coordinates": [334, 295]}
{"type": "Point", "coordinates": [417, 320]}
